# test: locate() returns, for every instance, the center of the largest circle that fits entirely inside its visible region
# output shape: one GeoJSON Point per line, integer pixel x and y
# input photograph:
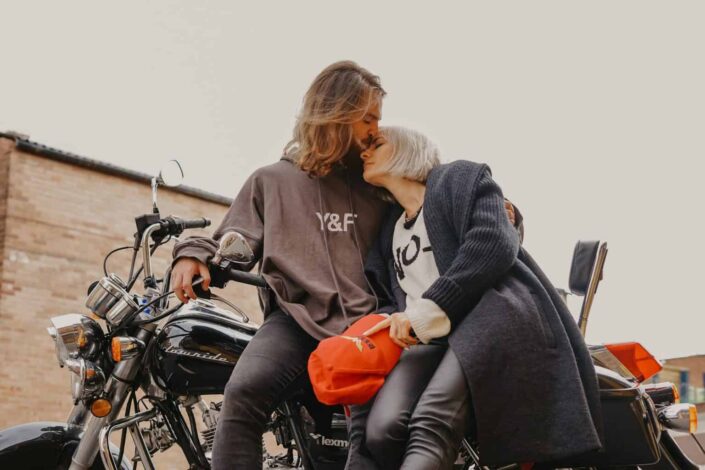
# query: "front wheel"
{"type": "Point", "coordinates": [43, 445]}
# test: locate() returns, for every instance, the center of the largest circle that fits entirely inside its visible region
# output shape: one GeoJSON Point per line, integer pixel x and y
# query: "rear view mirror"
{"type": "Point", "coordinates": [171, 174]}
{"type": "Point", "coordinates": [234, 247]}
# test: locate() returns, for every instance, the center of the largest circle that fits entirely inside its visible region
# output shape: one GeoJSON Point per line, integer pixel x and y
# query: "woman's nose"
{"type": "Point", "coordinates": [365, 154]}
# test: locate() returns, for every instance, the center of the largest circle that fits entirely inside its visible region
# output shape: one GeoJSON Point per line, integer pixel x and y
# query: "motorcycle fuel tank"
{"type": "Point", "coordinates": [197, 349]}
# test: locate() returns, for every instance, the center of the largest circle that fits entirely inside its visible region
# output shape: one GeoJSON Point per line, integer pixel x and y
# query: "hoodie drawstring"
{"type": "Point", "coordinates": [357, 245]}
{"type": "Point", "coordinates": [330, 261]}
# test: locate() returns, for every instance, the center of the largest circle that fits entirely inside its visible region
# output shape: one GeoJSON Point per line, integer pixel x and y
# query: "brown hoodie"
{"type": "Point", "coordinates": [311, 235]}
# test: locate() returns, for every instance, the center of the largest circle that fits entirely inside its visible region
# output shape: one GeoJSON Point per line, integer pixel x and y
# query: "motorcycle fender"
{"type": "Point", "coordinates": [41, 445]}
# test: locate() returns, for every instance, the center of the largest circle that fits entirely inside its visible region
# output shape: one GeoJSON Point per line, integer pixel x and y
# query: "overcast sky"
{"type": "Point", "coordinates": [590, 114]}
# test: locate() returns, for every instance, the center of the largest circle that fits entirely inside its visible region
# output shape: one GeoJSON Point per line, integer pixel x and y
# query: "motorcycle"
{"type": "Point", "coordinates": [174, 355]}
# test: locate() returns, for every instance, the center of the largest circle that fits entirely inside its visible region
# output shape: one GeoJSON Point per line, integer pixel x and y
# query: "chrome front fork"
{"type": "Point", "coordinates": [87, 448]}
{"type": "Point", "coordinates": [117, 389]}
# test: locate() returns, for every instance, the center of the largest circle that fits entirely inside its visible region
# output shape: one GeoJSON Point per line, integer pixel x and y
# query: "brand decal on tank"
{"type": "Point", "coordinates": [199, 354]}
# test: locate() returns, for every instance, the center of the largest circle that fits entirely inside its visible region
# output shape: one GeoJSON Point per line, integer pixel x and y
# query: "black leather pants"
{"type": "Point", "coordinates": [418, 418]}
{"type": "Point", "coordinates": [273, 363]}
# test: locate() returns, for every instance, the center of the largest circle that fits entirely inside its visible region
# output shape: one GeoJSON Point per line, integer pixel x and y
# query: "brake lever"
{"type": "Point", "coordinates": [199, 290]}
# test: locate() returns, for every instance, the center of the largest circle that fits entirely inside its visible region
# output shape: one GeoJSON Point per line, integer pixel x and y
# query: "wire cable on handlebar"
{"type": "Point", "coordinates": [105, 260]}
{"type": "Point", "coordinates": [132, 263]}
{"type": "Point", "coordinates": [128, 319]}
{"type": "Point", "coordinates": [158, 317]}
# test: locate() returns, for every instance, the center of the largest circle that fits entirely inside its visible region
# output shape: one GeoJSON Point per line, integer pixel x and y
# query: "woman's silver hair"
{"type": "Point", "coordinates": [413, 154]}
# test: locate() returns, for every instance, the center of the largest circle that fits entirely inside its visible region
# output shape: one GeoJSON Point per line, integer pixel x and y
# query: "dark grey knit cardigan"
{"type": "Point", "coordinates": [533, 385]}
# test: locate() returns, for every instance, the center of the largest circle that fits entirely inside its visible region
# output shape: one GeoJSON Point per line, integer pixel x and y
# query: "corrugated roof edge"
{"type": "Point", "coordinates": [41, 150]}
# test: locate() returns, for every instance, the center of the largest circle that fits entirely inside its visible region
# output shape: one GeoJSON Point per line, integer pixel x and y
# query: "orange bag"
{"type": "Point", "coordinates": [348, 369]}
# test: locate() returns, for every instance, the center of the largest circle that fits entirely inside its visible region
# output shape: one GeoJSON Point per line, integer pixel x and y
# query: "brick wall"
{"type": "Point", "coordinates": [57, 222]}
{"type": "Point", "coordinates": [6, 147]}
{"type": "Point", "coordinates": [695, 366]}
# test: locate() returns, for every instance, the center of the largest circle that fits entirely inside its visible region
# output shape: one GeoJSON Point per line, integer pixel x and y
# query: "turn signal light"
{"type": "Point", "coordinates": [636, 358]}
{"type": "Point", "coordinates": [101, 407]}
{"type": "Point", "coordinates": [665, 393]}
{"type": "Point", "coordinates": [82, 341]}
{"type": "Point", "coordinates": [682, 418]}
{"type": "Point", "coordinates": [677, 395]}
{"type": "Point", "coordinates": [125, 347]}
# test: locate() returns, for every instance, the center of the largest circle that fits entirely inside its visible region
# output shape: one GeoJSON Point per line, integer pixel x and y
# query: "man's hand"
{"type": "Point", "coordinates": [399, 330]}
{"type": "Point", "coordinates": [182, 278]}
{"type": "Point", "coordinates": [510, 212]}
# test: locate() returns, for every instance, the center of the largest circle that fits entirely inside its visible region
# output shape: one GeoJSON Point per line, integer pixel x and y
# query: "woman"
{"type": "Point", "coordinates": [448, 264]}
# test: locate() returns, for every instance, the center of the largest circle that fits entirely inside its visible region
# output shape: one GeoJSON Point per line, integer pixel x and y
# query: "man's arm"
{"type": "Point", "coordinates": [191, 255]}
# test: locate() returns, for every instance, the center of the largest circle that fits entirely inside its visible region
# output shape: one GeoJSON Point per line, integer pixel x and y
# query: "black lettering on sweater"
{"type": "Point", "coordinates": [402, 257]}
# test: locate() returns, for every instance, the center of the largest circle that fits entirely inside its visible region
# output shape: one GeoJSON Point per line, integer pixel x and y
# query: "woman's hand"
{"type": "Point", "coordinates": [509, 207]}
{"type": "Point", "coordinates": [399, 330]}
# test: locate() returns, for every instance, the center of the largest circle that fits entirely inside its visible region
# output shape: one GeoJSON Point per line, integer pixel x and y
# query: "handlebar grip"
{"type": "Point", "coordinates": [247, 278]}
{"type": "Point", "coordinates": [201, 222]}
{"type": "Point", "coordinates": [175, 226]}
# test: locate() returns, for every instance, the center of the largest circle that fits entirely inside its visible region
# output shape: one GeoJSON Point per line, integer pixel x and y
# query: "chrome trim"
{"type": "Point", "coordinates": [123, 307]}
{"type": "Point", "coordinates": [155, 184]}
{"type": "Point", "coordinates": [130, 422]}
{"type": "Point", "coordinates": [69, 330]}
{"type": "Point", "coordinates": [140, 447]}
{"type": "Point", "coordinates": [676, 417]}
{"type": "Point", "coordinates": [602, 356]}
{"type": "Point", "coordinates": [85, 453]}
{"type": "Point", "coordinates": [595, 279]}
{"type": "Point", "coordinates": [663, 393]}
{"type": "Point", "coordinates": [78, 416]}
{"type": "Point", "coordinates": [129, 347]}
{"type": "Point", "coordinates": [472, 454]}
{"type": "Point", "coordinates": [146, 255]}
{"type": "Point", "coordinates": [105, 294]}
{"type": "Point", "coordinates": [609, 379]}
{"type": "Point", "coordinates": [87, 380]}
{"type": "Point", "coordinates": [116, 391]}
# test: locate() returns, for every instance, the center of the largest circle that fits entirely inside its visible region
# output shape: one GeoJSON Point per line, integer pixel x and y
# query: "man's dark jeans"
{"type": "Point", "coordinates": [268, 367]}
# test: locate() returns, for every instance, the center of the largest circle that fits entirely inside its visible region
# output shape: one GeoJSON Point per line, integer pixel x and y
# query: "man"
{"type": "Point", "coordinates": [298, 214]}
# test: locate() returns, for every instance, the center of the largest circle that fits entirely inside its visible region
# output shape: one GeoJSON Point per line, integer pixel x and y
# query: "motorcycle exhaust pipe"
{"type": "Point", "coordinates": [683, 417]}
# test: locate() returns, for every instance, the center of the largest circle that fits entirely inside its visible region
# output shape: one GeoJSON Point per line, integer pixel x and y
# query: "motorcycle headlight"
{"type": "Point", "coordinates": [75, 336]}
{"type": "Point", "coordinates": [86, 378]}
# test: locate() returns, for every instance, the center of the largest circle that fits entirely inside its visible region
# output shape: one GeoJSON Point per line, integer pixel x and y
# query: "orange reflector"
{"type": "Point", "coordinates": [693, 419]}
{"type": "Point", "coordinates": [115, 349]}
{"type": "Point", "coordinates": [82, 341]}
{"type": "Point", "coordinates": [101, 408]}
{"type": "Point", "coordinates": [677, 395]}
{"type": "Point", "coordinates": [636, 358]}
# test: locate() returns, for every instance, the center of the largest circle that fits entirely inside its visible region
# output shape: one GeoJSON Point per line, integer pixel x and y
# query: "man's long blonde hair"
{"type": "Point", "coordinates": [339, 96]}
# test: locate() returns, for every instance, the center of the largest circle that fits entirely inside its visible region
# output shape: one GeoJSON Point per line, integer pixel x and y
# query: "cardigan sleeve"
{"type": "Point", "coordinates": [488, 247]}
